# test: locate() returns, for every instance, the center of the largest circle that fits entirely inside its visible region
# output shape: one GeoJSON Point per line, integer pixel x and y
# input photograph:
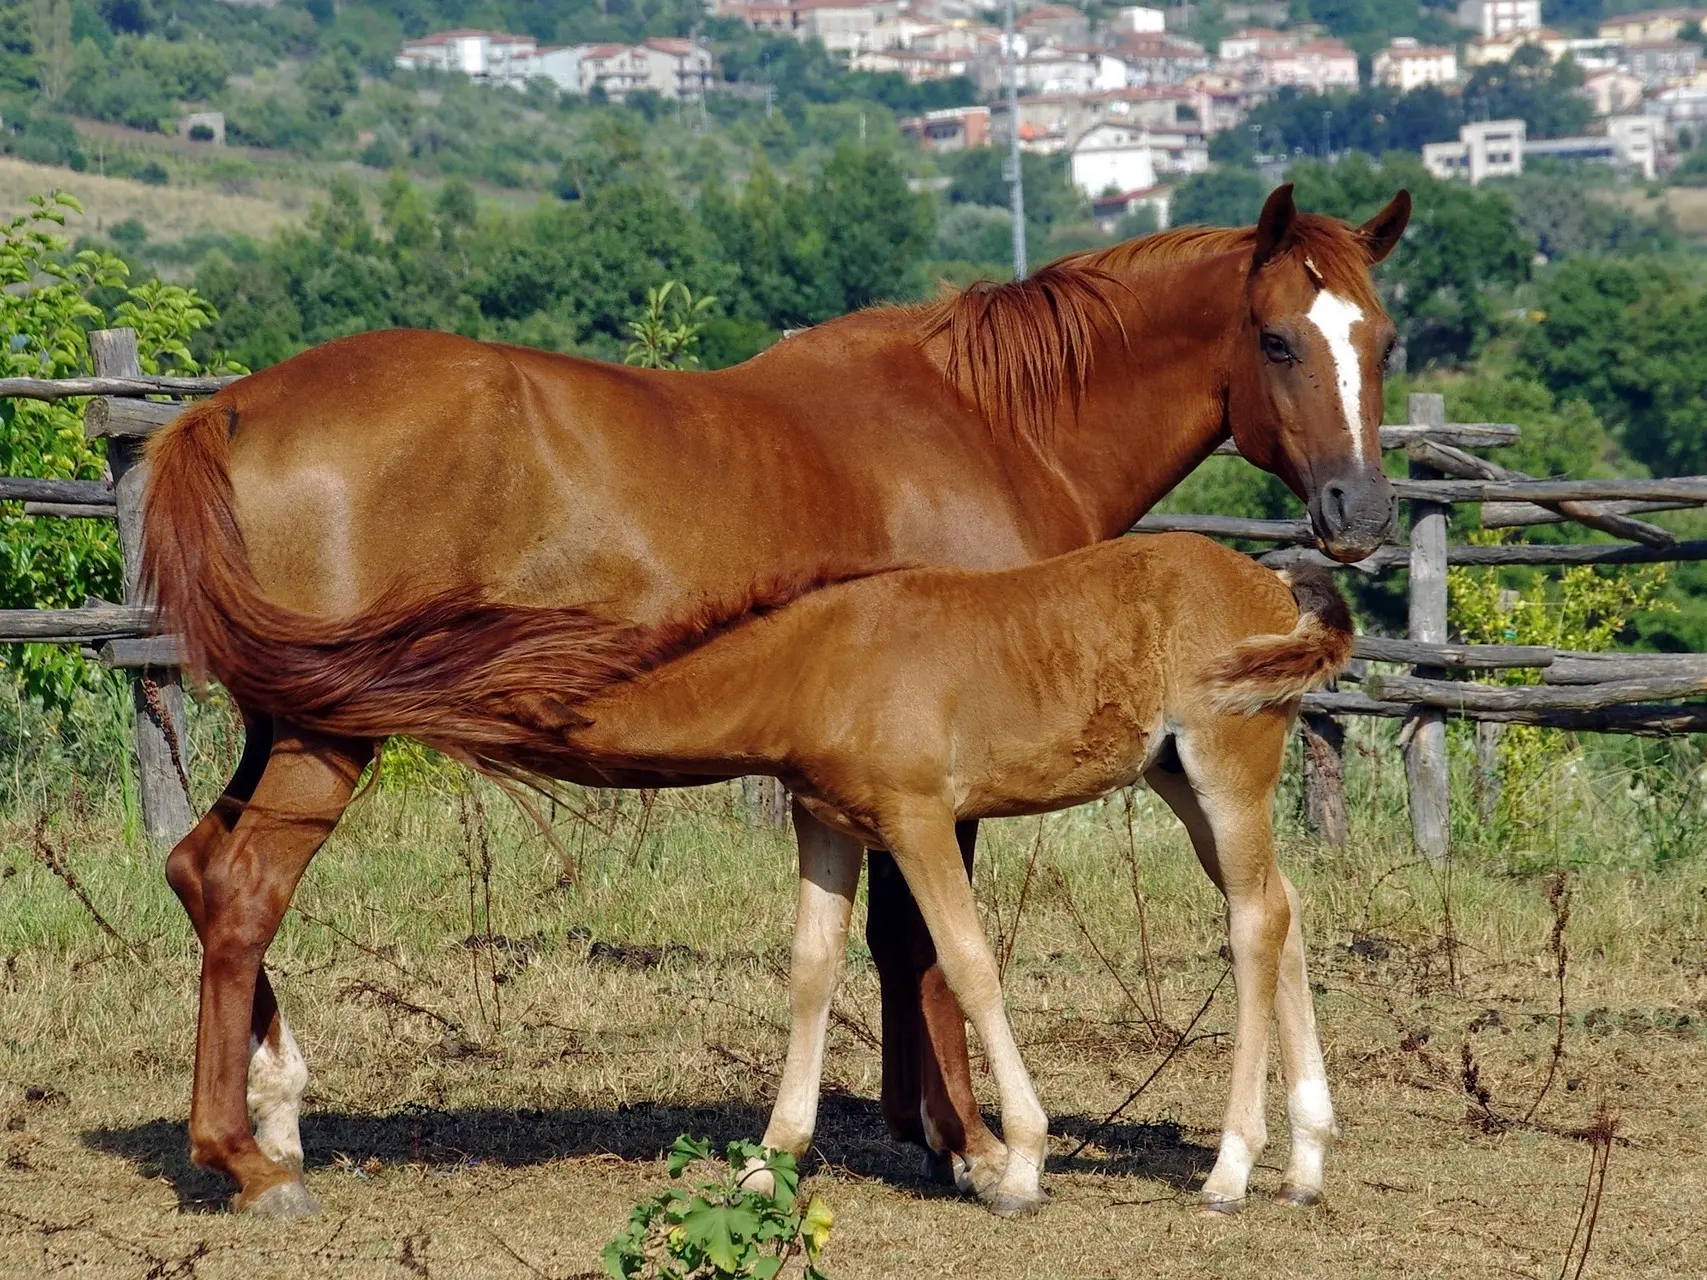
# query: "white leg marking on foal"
{"type": "Point", "coordinates": [277, 1079]}
{"type": "Point", "coordinates": [1231, 1176]}
{"type": "Point", "coordinates": [1311, 1114]}
{"type": "Point", "coordinates": [1334, 318]}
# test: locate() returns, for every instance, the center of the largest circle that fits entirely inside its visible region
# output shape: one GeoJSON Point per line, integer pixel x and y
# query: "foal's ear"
{"type": "Point", "coordinates": [1274, 224]}
{"type": "Point", "coordinates": [1382, 231]}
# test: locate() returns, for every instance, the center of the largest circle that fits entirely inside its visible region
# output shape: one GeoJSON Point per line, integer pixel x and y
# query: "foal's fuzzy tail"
{"type": "Point", "coordinates": [489, 683]}
{"type": "Point", "coordinates": [1266, 671]}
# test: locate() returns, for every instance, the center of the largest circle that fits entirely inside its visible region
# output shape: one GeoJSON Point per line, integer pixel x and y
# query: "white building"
{"type": "Point", "coordinates": [1136, 19]}
{"type": "Point", "coordinates": [1407, 65]}
{"type": "Point", "coordinates": [1125, 157]}
{"type": "Point", "coordinates": [1614, 93]}
{"type": "Point", "coordinates": [1486, 149]}
{"type": "Point", "coordinates": [1252, 42]}
{"type": "Point", "coordinates": [487, 57]}
{"type": "Point", "coordinates": [1499, 17]}
{"type": "Point", "coordinates": [844, 26]}
{"type": "Point", "coordinates": [1317, 65]}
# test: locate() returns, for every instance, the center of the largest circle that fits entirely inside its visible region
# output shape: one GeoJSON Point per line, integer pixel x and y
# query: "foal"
{"type": "Point", "coordinates": [895, 705]}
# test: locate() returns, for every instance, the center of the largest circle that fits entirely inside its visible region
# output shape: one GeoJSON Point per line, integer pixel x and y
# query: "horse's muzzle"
{"type": "Point", "coordinates": [1354, 514]}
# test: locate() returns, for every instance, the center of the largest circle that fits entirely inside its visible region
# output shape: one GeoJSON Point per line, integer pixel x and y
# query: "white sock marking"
{"type": "Point", "coordinates": [1334, 317]}
{"type": "Point", "coordinates": [276, 1084]}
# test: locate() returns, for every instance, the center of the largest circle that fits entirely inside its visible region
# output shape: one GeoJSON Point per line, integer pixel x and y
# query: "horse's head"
{"type": "Point", "coordinates": [1305, 395]}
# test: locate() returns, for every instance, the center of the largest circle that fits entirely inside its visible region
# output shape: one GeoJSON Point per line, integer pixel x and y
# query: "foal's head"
{"type": "Point", "coordinates": [1309, 352]}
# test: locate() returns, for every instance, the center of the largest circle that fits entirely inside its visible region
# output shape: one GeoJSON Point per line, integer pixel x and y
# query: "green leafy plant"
{"type": "Point", "coordinates": [722, 1228]}
{"type": "Point", "coordinates": [1583, 609]}
{"type": "Point", "coordinates": [50, 298]}
{"type": "Point", "coordinates": [668, 331]}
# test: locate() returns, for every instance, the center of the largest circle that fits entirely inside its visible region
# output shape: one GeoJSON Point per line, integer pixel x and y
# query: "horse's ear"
{"type": "Point", "coordinates": [1274, 225]}
{"type": "Point", "coordinates": [1382, 231]}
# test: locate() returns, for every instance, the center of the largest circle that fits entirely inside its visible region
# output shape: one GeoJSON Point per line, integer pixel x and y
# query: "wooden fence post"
{"type": "Point", "coordinates": [766, 802]}
{"type": "Point", "coordinates": [1425, 750]}
{"type": "Point", "coordinates": [157, 696]}
{"type": "Point", "coordinates": [1324, 778]}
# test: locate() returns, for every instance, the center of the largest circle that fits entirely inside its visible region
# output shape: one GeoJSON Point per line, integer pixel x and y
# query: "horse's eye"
{"type": "Point", "coordinates": [1387, 355]}
{"type": "Point", "coordinates": [1275, 348]}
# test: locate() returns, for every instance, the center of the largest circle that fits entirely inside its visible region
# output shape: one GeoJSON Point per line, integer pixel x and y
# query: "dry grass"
{"type": "Point", "coordinates": [169, 213]}
{"type": "Point", "coordinates": [459, 1126]}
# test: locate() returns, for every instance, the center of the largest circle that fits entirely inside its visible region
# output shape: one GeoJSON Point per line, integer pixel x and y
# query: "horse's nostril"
{"type": "Point", "coordinates": [1333, 504]}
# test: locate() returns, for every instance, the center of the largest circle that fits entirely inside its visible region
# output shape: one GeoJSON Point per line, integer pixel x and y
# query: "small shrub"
{"type": "Point", "coordinates": [152, 173]}
{"type": "Point", "coordinates": [720, 1229]}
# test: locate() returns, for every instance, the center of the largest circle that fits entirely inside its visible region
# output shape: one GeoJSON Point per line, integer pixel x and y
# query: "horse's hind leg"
{"type": "Point", "coordinates": [236, 881]}
{"type": "Point", "coordinates": [278, 1074]}
{"type": "Point", "coordinates": [1224, 798]}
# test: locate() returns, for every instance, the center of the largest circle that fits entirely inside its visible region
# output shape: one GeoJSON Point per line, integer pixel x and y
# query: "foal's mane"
{"type": "Point", "coordinates": [1021, 348]}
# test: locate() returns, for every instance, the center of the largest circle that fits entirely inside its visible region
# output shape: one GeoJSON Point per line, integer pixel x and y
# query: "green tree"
{"type": "Point", "coordinates": [1627, 335]}
{"type": "Point", "coordinates": [1220, 198]}
{"type": "Point", "coordinates": [875, 228]}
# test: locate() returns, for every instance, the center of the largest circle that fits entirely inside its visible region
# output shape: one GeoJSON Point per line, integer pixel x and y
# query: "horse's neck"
{"type": "Point", "coordinates": [1155, 403]}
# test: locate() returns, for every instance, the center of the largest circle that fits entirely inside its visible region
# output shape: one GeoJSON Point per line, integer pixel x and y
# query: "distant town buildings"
{"type": "Point", "coordinates": [1132, 102]}
{"type": "Point", "coordinates": [1406, 65]}
{"type": "Point", "coordinates": [670, 68]}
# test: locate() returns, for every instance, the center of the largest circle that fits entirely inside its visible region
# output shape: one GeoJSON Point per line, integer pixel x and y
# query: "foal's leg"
{"type": "Point", "coordinates": [1224, 799]}
{"type": "Point", "coordinates": [829, 878]}
{"type": "Point", "coordinates": [927, 1075]}
{"type": "Point", "coordinates": [278, 1075]}
{"type": "Point", "coordinates": [921, 836]}
{"type": "Point", "coordinates": [1309, 1108]}
{"type": "Point", "coordinates": [246, 882]}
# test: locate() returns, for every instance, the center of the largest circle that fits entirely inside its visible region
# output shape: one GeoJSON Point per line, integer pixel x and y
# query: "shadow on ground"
{"type": "Point", "coordinates": [850, 1136]}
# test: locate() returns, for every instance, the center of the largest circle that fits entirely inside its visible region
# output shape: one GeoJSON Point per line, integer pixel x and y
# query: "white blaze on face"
{"type": "Point", "coordinates": [1334, 318]}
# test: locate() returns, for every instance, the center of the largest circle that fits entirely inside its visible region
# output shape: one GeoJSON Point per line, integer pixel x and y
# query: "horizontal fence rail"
{"type": "Point", "coordinates": [142, 385]}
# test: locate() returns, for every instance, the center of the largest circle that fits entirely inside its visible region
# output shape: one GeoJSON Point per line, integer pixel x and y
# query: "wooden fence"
{"type": "Point", "coordinates": [1618, 693]}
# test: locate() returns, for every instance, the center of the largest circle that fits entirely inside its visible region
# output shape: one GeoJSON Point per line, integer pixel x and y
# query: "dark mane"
{"type": "Point", "coordinates": [1022, 348]}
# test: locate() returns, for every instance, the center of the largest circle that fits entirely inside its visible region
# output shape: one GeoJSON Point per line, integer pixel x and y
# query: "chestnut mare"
{"type": "Point", "coordinates": [396, 533]}
{"type": "Point", "coordinates": [896, 706]}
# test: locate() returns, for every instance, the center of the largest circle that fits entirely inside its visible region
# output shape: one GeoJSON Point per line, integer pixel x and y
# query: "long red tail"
{"type": "Point", "coordinates": [492, 684]}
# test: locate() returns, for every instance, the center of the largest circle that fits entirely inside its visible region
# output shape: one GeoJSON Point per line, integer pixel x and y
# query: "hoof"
{"type": "Point", "coordinates": [1214, 1206]}
{"type": "Point", "coordinates": [1297, 1197]}
{"type": "Point", "coordinates": [281, 1200]}
{"type": "Point", "coordinates": [1007, 1204]}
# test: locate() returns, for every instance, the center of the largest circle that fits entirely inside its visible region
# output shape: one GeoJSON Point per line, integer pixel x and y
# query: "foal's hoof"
{"type": "Point", "coordinates": [1296, 1197]}
{"type": "Point", "coordinates": [1217, 1206]}
{"type": "Point", "coordinates": [281, 1200]}
{"type": "Point", "coordinates": [1009, 1204]}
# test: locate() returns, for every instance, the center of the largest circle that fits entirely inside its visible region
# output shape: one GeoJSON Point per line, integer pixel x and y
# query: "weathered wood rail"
{"type": "Point", "coordinates": [1617, 693]}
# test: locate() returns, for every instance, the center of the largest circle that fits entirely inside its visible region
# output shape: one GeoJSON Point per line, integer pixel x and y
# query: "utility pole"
{"type": "Point", "coordinates": [1011, 170]}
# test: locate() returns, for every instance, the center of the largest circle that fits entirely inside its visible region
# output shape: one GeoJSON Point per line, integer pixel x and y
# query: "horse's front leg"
{"type": "Point", "coordinates": [829, 878]}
